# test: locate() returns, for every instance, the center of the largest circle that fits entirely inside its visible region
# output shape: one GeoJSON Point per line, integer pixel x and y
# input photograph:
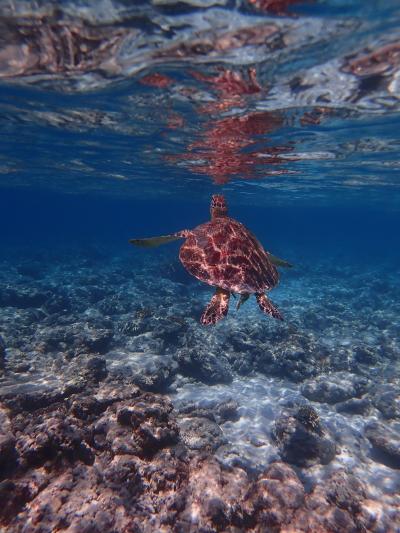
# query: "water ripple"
{"type": "Point", "coordinates": [279, 94]}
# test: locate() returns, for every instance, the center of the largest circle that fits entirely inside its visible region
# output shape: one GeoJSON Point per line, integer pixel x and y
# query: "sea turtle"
{"type": "Point", "coordinates": [226, 255]}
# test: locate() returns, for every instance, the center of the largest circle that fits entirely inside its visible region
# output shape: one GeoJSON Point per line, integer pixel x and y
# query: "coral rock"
{"type": "Point", "coordinates": [301, 439]}
{"type": "Point", "coordinates": [334, 388]}
{"type": "Point", "coordinates": [386, 443]}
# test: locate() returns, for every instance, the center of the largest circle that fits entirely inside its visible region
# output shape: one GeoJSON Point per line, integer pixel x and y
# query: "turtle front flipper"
{"type": "Point", "coordinates": [278, 262]}
{"type": "Point", "coordinates": [267, 307]}
{"type": "Point", "coordinates": [217, 308]}
{"type": "Point", "coordinates": [152, 242]}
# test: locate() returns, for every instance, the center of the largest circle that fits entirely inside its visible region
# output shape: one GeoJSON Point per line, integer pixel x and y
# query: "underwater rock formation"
{"type": "Point", "coordinates": [301, 438]}
{"type": "Point", "coordinates": [77, 432]}
{"type": "Point", "coordinates": [207, 367]}
{"type": "Point", "coordinates": [2, 353]}
{"type": "Point", "coordinates": [22, 297]}
{"type": "Point", "coordinates": [150, 372]}
{"type": "Point", "coordinates": [386, 442]}
{"type": "Point", "coordinates": [386, 398]}
{"type": "Point", "coordinates": [112, 459]}
{"type": "Point", "coordinates": [355, 406]}
{"type": "Point", "coordinates": [334, 388]}
{"type": "Point", "coordinates": [219, 412]}
{"type": "Point", "coordinates": [200, 433]}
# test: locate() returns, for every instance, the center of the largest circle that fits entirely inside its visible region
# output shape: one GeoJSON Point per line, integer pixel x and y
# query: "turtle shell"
{"type": "Point", "coordinates": [225, 254]}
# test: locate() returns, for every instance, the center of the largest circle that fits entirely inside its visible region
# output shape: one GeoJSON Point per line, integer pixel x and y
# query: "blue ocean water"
{"type": "Point", "coordinates": [120, 120]}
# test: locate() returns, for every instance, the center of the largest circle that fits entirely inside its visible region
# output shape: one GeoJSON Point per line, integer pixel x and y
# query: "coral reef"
{"type": "Point", "coordinates": [119, 412]}
{"type": "Point", "coordinates": [301, 439]}
{"type": "Point", "coordinates": [113, 459]}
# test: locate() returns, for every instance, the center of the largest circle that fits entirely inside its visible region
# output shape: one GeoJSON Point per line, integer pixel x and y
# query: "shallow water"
{"type": "Point", "coordinates": [120, 120]}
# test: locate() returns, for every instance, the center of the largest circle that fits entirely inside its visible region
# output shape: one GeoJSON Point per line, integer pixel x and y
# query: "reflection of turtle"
{"type": "Point", "coordinates": [224, 254]}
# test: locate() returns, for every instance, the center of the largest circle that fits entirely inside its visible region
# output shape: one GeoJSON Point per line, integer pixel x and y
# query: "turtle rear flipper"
{"type": "Point", "coordinates": [152, 242]}
{"type": "Point", "coordinates": [279, 262]}
{"type": "Point", "coordinates": [267, 307]}
{"type": "Point", "coordinates": [217, 308]}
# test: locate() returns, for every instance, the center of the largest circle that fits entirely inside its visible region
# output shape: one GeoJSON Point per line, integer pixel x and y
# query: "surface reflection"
{"type": "Point", "coordinates": [277, 7]}
{"type": "Point", "coordinates": [45, 45]}
{"type": "Point", "coordinates": [228, 147]}
{"type": "Point", "coordinates": [235, 146]}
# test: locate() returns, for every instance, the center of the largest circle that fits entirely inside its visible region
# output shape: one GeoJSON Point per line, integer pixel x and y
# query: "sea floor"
{"type": "Point", "coordinates": [319, 392]}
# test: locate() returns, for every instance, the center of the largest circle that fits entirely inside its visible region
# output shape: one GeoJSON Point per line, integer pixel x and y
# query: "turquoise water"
{"type": "Point", "coordinates": [121, 120]}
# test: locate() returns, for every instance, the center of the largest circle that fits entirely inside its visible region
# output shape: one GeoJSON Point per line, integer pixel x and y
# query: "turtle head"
{"type": "Point", "coordinates": [218, 207]}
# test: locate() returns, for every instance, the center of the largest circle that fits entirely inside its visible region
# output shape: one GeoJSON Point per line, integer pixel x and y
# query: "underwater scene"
{"type": "Point", "coordinates": [199, 266]}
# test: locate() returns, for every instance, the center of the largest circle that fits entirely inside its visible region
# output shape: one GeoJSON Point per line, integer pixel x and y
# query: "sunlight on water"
{"type": "Point", "coordinates": [296, 97]}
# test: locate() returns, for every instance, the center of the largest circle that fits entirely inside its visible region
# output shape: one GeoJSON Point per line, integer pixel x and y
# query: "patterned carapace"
{"type": "Point", "coordinates": [225, 254]}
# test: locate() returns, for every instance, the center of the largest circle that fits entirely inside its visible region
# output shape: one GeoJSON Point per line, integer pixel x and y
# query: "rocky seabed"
{"type": "Point", "coordinates": [120, 413]}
